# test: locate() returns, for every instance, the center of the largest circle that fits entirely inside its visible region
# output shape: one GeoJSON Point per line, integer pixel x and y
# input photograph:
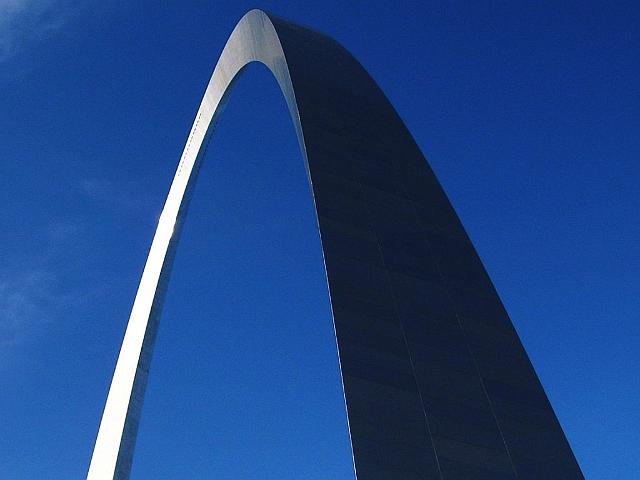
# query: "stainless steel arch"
{"type": "Point", "coordinates": [436, 381]}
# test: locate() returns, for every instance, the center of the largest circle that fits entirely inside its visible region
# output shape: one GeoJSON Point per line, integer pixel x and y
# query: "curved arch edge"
{"type": "Point", "coordinates": [254, 39]}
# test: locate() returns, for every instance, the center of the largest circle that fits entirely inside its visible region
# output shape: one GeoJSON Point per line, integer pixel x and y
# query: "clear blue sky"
{"type": "Point", "coordinates": [527, 111]}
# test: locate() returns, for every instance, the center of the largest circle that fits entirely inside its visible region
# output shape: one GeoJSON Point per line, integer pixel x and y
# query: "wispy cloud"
{"type": "Point", "coordinates": [25, 22]}
{"type": "Point", "coordinates": [32, 293]}
{"type": "Point", "coordinates": [46, 282]}
{"type": "Point", "coordinates": [25, 298]}
{"type": "Point", "coordinates": [124, 197]}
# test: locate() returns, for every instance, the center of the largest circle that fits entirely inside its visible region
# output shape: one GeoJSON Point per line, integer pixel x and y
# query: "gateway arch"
{"type": "Point", "coordinates": [437, 383]}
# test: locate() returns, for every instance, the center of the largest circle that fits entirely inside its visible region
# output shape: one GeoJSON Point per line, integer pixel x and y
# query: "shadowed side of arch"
{"type": "Point", "coordinates": [437, 384]}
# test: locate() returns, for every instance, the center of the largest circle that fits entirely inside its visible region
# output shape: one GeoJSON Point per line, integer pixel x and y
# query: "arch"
{"type": "Point", "coordinates": [436, 381]}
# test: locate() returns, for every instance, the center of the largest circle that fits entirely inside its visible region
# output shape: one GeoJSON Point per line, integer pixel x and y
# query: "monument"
{"type": "Point", "coordinates": [437, 383]}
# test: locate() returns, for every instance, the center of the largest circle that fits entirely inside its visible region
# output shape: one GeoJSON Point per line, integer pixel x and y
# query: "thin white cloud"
{"type": "Point", "coordinates": [34, 286]}
{"type": "Point", "coordinates": [125, 197]}
{"type": "Point", "coordinates": [25, 22]}
{"type": "Point", "coordinates": [32, 294]}
{"type": "Point", "coordinates": [25, 298]}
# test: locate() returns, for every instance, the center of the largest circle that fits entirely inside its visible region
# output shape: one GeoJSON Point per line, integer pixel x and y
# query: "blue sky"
{"type": "Point", "coordinates": [527, 111]}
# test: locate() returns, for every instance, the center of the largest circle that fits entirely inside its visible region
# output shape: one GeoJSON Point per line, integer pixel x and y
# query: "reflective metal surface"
{"type": "Point", "coordinates": [436, 381]}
